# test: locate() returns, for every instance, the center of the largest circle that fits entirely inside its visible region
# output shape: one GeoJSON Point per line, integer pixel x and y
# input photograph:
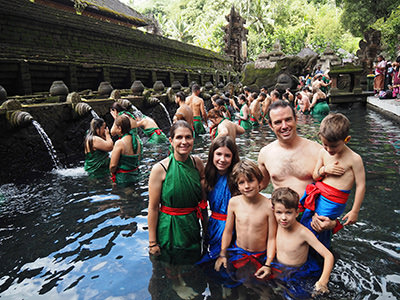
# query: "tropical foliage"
{"type": "Point", "coordinates": [295, 23]}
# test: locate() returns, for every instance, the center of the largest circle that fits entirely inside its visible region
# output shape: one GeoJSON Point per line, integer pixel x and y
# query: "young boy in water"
{"type": "Point", "coordinates": [337, 169]}
{"type": "Point", "coordinates": [251, 215]}
{"type": "Point", "coordinates": [292, 244]}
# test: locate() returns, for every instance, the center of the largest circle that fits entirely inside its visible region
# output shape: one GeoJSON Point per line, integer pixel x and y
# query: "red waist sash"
{"type": "Point", "coordinates": [180, 211]}
{"type": "Point", "coordinates": [197, 119]}
{"type": "Point", "coordinates": [218, 216]}
{"type": "Point", "coordinates": [157, 131]}
{"type": "Point", "coordinates": [114, 177]}
{"type": "Point", "coordinates": [252, 119]}
{"type": "Point", "coordinates": [327, 191]}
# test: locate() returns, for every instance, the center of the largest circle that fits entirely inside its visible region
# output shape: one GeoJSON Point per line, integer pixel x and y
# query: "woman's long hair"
{"type": "Point", "coordinates": [210, 170]}
{"type": "Point", "coordinates": [95, 124]}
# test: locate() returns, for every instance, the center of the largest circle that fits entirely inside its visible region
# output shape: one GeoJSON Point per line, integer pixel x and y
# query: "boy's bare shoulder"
{"type": "Point", "coordinates": [235, 200]}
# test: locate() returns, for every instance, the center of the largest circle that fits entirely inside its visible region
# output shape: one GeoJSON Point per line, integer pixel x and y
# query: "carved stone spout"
{"type": "Point", "coordinates": [20, 119]}
{"type": "Point", "coordinates": [82, 108]}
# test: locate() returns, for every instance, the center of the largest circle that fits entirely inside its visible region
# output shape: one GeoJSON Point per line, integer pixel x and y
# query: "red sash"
{"type": "Point", "coordinates": [157, 131]}
{"type": "Point", "coordinates": [114, 177]}
{"type": "Point", "coordinates": [329, 192]}
{"type": "Point", "coordinates": [252, 119]}
{"type": "Point", "coordinates": [218, 216]}
{"type": "Point", "coordinates": [248, 258]}
{"type": "Point", "coordinates": [179, 211]}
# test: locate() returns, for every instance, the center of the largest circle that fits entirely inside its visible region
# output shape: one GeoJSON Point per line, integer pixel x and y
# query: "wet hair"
{"type": "Point", "coordinates": [262, 94]}
{"type": "Point", "coordinates": [195, 87]}
{"type": "Point", "coordinates": [227, 94]}
{"type": "Point", "coordinates": [95, 124]}
{"type": "Point", "coordinates": [264, 87]}
{"type": "Point", "coordinates": [210, 169]}
{"type": "Point", "coordinates": [277, 104]}
{"type": "Point", "coordinates": [246, 89]}
{"type": "Point", "coordinates": [242, 97]}
{"type": "Point", "coordinates": [254, 95]}
{"type": "Point", "coordinates": [118, 107]}
{"type": "Point", "coordinates": [123, 122]}
{"type": "Point", "coordinates": [176, 125]}
{"type": "Point", "coordinates": [335, 127]}
{"type": "Point", "coordinates": [220, 102]}
{"type": "Point", "coordinates": [181, 96]}
{"type": "Point", "coordinates": [286, 196]}
{"type": "Point", "coordinates": [215, 113]}
{"type": "Point", "coordinates": [246, 168]}
{"type": "Point", "coordinates": [276, 94]}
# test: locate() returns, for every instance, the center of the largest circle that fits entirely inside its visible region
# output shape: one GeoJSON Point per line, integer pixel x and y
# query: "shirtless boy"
{"type": "Point", "coordinates": [337, 169]}
{"type": "Point", "coordinates": [293, 241]}
{"type": "Point", "coordinates": [197, 106]}
{"type": "Point", "coordinates": [184, 112]}
{"type": "Point", "coordinates": [251, 215]}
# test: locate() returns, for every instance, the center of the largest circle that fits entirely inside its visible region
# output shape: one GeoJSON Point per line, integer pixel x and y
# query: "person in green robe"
{"type": "Point", "coordinates": [126, 155]}
{"type": "Point", "coordinates": [151, 129]}
{"type": "Point", "coordinates": [118, 110]}
{"type": "Point", "coordinates": [98, 143]}
{"type": "Point", "coordinates": [176, 200]}
{"type": "Point", "coordinates": [176, 203]}
{"type": "Point", "coordinates": [244, 114]}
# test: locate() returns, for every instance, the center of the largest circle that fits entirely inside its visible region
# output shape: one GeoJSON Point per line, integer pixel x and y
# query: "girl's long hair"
{"type": "Point", "coordinates": [210, 170]}
{"type": "Point", "coordinates": [95, 124]}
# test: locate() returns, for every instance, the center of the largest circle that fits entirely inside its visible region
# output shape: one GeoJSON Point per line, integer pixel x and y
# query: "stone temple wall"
{"type": "Point", "coordinates": [40, 44]}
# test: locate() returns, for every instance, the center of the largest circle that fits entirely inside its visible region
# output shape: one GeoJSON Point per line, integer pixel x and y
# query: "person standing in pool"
{"type": "Point", "coordinates": [98, 143]}
{"type": "Point", "coordinates": [197, 105]}
{"type": "Point", "coordinates": [126, 155]}
{"type": "Point", "coordinates": [244, 115]}
{"type": "Point", "coordinates": [222, 126]}
{"type": "Point", "coordinates": [176, 203]}
{"type": "Point", "coordinates": [150, 129]}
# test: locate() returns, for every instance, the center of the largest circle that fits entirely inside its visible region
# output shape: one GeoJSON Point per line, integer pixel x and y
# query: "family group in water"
{"type": "Point", "coordinates": [215, 216]}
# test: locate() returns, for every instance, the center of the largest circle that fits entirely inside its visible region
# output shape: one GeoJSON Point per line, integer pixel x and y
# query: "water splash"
{"type": "Point", "coordinates": [48, 143]}
{"type": "Point", "coordinates": [167, 113]}
{"type": "Point", "coordinates": [94, 114]}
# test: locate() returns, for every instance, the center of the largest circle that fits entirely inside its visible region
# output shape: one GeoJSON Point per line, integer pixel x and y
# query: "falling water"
{"type": "Point", "coordinates": [94, 114]}
{"type": "Point", "coordinates": [49, 145]}
{"type": "Point", "coordinates": [166, 111]}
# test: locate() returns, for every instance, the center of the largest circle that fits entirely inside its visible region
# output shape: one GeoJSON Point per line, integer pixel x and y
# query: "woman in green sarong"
{"type": "Point", "coordinates": [126, 155]}
{"type": "Point", "coordinates": [176, 201]}
{"type": "Point", "coordinates": [244, 115]}
{"type": "Point", "coordinates": [98, 143]}
{"type": "Point", "coordinates": [151, 129]}
{"type": "Point", "coordinates": [118, 110]}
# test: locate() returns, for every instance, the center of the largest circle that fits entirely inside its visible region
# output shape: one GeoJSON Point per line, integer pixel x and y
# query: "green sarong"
{"type": "Point", "coordinates": [246, 124]}
{"type": "Point", "coordinates": [97, 164]}
{"type": "Point", "coordinates": [198, 125]}
{"type": "Point", "coordinates": [156, 136]}
{"type": "Point", "coordinates": [179, 235]}
{"type": "Point", "coordinates": [127, 169]}
{"type": "Point", "coordinates": [321, 108]}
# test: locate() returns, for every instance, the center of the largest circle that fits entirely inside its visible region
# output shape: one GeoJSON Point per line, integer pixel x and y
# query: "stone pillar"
{"type": "Point", "coordinates": [73, 80]}
{"type": "Point", "coordinates": [106, 74]}
{"type": "Point", "coordinates": [171, 78]}
{"type": "Point", "coordinates": [132, 75]}
{"type": "Point", "coordinates": [25, 78]}
{"type": "Point", "coordinates": [153, 77]}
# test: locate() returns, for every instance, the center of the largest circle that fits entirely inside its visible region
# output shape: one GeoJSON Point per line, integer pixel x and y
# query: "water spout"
{"type": "Point", "coordinates": [94, 114]}
{"type": "Point", "coordinates": [166, 112]}
{"type": "Point", "coordinates": [48, 143]}
{"type": "Point", "coordinates": [20, 118]}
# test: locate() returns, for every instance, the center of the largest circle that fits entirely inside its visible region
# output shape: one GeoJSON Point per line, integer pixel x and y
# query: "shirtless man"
{"type": "Point", "coordinates": [275, 96]}
{"type": "Point", "coordinates": [316, 89]}
{"type": "Point", "coordinates": [255, 109]}
{"type": "Point", "coordinates": [197, 106]}
{"type": "Point", "coordinates": [184, 112]}
{"type": "Point", "coordinates": [289, 161]}
{"type": "Point", "coordinates": [222, 126]}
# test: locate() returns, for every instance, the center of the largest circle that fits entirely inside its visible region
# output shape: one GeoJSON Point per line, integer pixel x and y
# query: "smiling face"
{"type": "Point", "coordinates": [283, 123]}
{"type": "Point", "coordinates": [333, 147]}
{"type": "Point", "coordinates": [248, 187]}
{"type": "Point", "coordinates": [285, 217]}
{"type": "Point", "coordinates": [182, 142]}
{"type": "Point", "coordinates": [222, 159]}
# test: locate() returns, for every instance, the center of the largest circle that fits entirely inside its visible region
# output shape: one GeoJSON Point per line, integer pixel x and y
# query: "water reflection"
{"type": "Point", "coordinates": [67, 236]}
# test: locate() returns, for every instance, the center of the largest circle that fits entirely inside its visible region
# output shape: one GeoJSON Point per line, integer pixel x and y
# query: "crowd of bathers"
{"type": "Point", "coordinates": [245, 235]}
